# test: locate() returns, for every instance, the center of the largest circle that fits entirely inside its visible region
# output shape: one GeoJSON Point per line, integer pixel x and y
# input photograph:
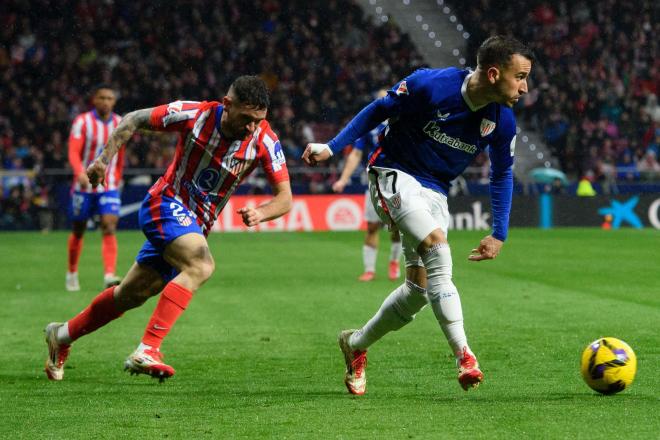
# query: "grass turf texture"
{"type": "Point", "coordinates": [256, 352]}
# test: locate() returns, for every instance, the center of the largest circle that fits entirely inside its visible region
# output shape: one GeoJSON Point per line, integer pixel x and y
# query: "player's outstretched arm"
{"type": "Point", "coordinates": [489, 248]}
{"type": "Point", "coordinates": [365, 121]}
{"type": "Point", "coordinates": [315, 153]}
{"type": "Point", "coordinates": [276, 207]}
{"type": "Point", "coordinates": [138, 119]}
{"type": "Point", "coordinates": [352, 162]}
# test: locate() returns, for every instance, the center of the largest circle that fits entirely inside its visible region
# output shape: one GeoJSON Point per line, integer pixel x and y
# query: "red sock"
{"type": "Point", "coordinates": [101, 311]}
{"type": "Point", "coordinates": [109, 252]}
{"type": "Point", "coordinates": [75, 247]}
{"type": "Point", "coordinates": [173, 301]}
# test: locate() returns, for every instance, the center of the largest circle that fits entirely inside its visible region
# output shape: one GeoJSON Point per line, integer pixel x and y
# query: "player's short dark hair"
{"type": "Point", "coordinates": [101, 86]}
{"type": "Point", "coordinates": [250, 90]}
{"type": "Point", "coordinates": [498, 50]}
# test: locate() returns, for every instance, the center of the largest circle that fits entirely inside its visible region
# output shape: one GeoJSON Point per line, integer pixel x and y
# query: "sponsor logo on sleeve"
{"type": "Point", "coordinates": [174, 107]}
{"type": "Point", "coordinates": [402, 89]}
{"type": "Point", "coordinates": [275, 152]}
{"type": "Point", "coordinates": [442, 116]}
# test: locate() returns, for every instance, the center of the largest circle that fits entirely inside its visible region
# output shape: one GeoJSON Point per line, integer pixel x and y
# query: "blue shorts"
{"type": "Point", "coordinates": [86, 205]}
{"type": "Point", "coordinates": [163, 219]}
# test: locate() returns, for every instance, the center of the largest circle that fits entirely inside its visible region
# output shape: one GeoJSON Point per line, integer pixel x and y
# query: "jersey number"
{"type": "Point", "coordinates": [176, 209]}
{"type": "Point", "coordinates": [391, 174]}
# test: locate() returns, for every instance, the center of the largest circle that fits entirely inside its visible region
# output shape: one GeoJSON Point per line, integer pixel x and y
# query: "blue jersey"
{"type": "Point", "coordinates": [435, 132]}
{"type": "Point", "coordinates": [370, 141]}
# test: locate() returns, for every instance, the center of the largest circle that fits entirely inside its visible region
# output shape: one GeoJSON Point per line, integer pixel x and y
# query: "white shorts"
{"type": "Point", "coordinates": [370, 214]}
{"type": "Point", "coordinates": [416, 211]}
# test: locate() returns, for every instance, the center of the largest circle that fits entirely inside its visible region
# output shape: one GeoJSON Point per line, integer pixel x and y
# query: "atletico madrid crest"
{"type": "Point", "coordinates": [184, 220]}
{"type": "Point", "coordinates": [487, 127]}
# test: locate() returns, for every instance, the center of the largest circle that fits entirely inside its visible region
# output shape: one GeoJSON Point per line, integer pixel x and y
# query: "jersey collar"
{"type": "Point", "coordinates": [107, 121]}
{"type": "Point", "coordinates": [466, 98]}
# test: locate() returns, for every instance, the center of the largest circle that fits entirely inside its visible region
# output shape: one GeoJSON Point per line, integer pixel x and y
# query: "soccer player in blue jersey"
{"type": "Point", "coordinates": [439, 120]}
{"type": "Point", "coordinates": [367, 144]}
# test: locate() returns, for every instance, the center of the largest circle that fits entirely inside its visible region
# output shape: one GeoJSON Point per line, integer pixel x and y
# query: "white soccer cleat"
{"type": "Point", "coordinates": [72, 284]}
{"type": "Point", "coordinates": [148, 362]}
{"type": "Point", "coordinates": [110, 279]}
{"type": "Point", "coordinates": [57, 353]}
{"type": "Point", "coordinates": [355, 377]}
{"type": "Point", "coordinates": [469, 374]}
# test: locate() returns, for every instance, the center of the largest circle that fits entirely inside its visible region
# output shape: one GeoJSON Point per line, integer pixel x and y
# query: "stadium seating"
{"type": "Point", "coordinates": [593, 97]}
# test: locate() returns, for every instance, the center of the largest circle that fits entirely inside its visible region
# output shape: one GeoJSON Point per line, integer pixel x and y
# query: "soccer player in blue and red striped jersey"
{"type": "Point", "coordinates": [439, 121]}
{"type": "Point", "coordinates": [219, 145]}
{"type": "Point", "coordinates": [90, 131]}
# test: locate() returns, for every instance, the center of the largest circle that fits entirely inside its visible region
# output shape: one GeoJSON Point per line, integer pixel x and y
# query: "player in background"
{"type": "Point", "coordinates": [219, 145]}
{"type": "Point", "coordinates": [89, 133]}
{"type": "Point", "coordinates": [439, 120]}
{"type": "Point", "coordinates": [367, 143]}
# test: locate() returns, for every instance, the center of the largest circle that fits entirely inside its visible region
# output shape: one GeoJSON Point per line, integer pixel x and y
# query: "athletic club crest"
{"type": "Point", "coordinates": [402, 89]}
{"type": "Point", "coordinates": [396, 201]}
{"type": "Point", "coordinates": [487, 127]}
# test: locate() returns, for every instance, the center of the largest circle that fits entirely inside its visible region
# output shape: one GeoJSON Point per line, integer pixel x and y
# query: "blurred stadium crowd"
{"type": "Point", "coordinates": [594, 91]}
{"type": "Point", "coordinates": [595, 88]}
{"type": "Point", "coordinates": [322, 65]}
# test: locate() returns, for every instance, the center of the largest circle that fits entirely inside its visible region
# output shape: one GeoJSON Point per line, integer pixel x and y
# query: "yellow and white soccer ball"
{"type": "Point", "coordinates": [608, 365]}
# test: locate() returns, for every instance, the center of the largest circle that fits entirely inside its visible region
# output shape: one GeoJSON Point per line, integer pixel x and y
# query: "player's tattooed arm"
{"type": "Point", "coordinates": [133, 121]}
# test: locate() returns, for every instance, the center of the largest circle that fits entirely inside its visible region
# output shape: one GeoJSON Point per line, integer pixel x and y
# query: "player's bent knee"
{"type": "Point", "coordinates": [200, 269]}
{"type": "Point", "coordinates": [438, 263]}
{"type": "Point", "coordinates": [206, 270]}
{"type": "Point", "coordinates": [416, 275]}
{"type": "Point", "coordinates": [109, 224]}
{"type": "Point", "coordinates": [435, 238]}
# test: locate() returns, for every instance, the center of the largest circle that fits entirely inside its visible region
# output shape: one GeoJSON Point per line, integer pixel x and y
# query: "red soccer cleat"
{"type": "Point", "coordinates": [394, 271]}
{"type": "Point", "coordinates": [57, 353]}
{"type": "Point", "coordinates": [355, 377]}
{"type": "Point", "coordinates": [469, 374]}
{"type": "Point", "coordinates": [367, 276]}
{"type": "Point", "coordinates": [148, 362]}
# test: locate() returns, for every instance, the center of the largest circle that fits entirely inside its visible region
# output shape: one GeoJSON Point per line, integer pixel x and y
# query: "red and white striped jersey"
{"type": "Point", "coordinates": [89, 134]}
{"type": "Point", "coordinates": [207, 168]}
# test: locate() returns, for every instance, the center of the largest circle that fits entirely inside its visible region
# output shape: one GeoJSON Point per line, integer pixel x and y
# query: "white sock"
{"type": "Point", "coordinates": [143, 347]}
{"type": "Point", "coordinates": [444, 298]}
{"type": "Point", "coordinates": [369, 258]}
{"type": "Point", "coordinates": [398, 309]}
{"type": "Point", "coordinates": [62, 335]}
{"type": "Point", "coordinates": [395, 251]}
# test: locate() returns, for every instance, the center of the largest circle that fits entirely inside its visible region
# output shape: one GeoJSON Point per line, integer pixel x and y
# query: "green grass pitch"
{"type": "Point", "coordinates": [256, 353]}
